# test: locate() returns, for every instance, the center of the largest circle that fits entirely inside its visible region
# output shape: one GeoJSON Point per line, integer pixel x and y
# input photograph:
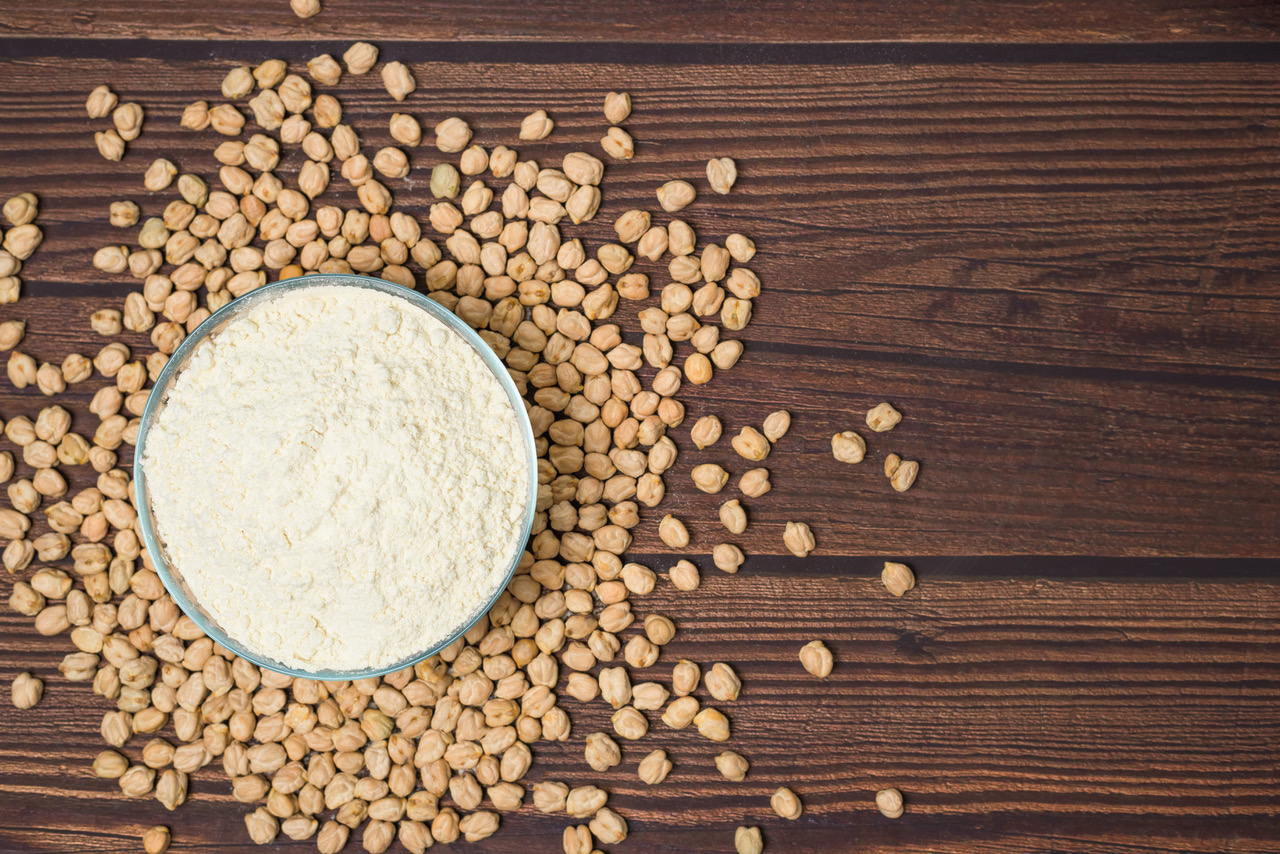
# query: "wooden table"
{"type": "Point", "coordinates": [1049, 233]}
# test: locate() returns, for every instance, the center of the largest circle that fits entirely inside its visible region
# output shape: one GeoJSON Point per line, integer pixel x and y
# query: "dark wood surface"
{"type": "Point", "coordinates": [1065, 273]}
{"type": "Point", "coordinates": [657, 21]}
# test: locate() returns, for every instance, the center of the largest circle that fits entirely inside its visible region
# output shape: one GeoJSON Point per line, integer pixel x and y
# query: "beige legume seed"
{"type": "Point", "coordinates": [675, 195]}
{"type": "Point", "coordinates": [883, 417]}
{"type": "Point", "coordinates": [360, 58]}
{"type": "Point", "coordinates": [608, 827]}
{"type": "Point", "coordinates": [100, 103]}
{"type": "Point", "coordinates": [577, 840]}
{"type": "Point", "coordinates": [712, 724]}
{"type": "Point", "coordinates": [741, 247]}
{"type": "Point", "coordinates": [697, 369]}
{"type": "Point", "coordinates": [904, 475]}
{"type": "Point", "coordinates": [681, 712]}
{"type": "Point", "coordinates": [732, 766]}
{"type": "Point", "coordinates": [398, 80]}
{"type": "Point", "coordinates": [159, 175]}
{"type": "Point", "coordinates": [897, 578]}
{"type": "Point", "coordinates": [654, 768]}
{"type": "Point", "coordinates": [684, 576]}
{"type": "Point", "coordinates": [128, 120]}
{"type": "Point", "coordinates": [891, 463]}
{"type": "Point", "coordinates": [537, 125]}
{"type": "Point", "coordinates": [889, 802]}
{"type": "Point", "coordinates": [617, 106]}
{"type": "Point", "coordinates": [750, 444]}
{"type": "Point", "coordinates": [156, 840]}
{"type": "Point", "coordinates": [630, 723]}
{"type": "Point", "coordinates": [324, 69]}
{"type": "Point", "coordinates": [786, 804]}
{"type": "Point", "coordinates": [452, 135]}
{"type": "Point", "coordinates": [722, 172]}
{"type": "Point", "coordinates": [727, 557]}
{"type": "Point", "coordinates": [754, 483]}
{"type": "Point", "coordinates": [26, 691]}
{"type": "Point", "coordinates": [709, 477]}
{"type": "Point", "coordinates": [747, 840]}
{"type": "Point", "coordinates": [776, 425]}
{"type": "Point", "coordinates": [658, 629]}
{"type": "Point", "coordinates": [706, 431]}
{"type": "Point", "coordinates": [816, 658]}
{"type": "Point", "coordinates": [798, 539]}
{"type": "Point", "coordinates": [109, 143]}
{"type": "Point", "coordinates": [405, 129]}
{"type": "Point", "coordinates": [195, 116]}
{"type": "Point", "coordinates": [722, 682]}
{"type": "Point", "coordinates": [602, 752]}
{"type": "Point", "coordinates": [673, 532]}
{"type": "Point", "coordinates": [848, 447]}
{"type": "Point", "coordinates": [733, 516]}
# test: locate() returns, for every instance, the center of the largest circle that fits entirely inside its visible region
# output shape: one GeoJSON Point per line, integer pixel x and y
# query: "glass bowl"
{"type": "Point", "coordinates": [170, 574]}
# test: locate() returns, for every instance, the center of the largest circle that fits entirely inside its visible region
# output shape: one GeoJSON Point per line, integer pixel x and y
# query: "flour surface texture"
{"type": "Point", "coordinates": [339, 479]}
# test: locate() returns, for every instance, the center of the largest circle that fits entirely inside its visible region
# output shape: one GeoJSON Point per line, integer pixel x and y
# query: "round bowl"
{"type": "Point", "coordinates": [172, 577]}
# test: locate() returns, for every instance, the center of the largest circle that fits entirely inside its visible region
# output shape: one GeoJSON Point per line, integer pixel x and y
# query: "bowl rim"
{"type": "Point", "coordinates": [177, 361]}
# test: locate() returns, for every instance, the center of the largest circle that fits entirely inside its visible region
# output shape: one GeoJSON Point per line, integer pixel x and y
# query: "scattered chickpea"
{"type": "Point", "coordinates": [748, 840]}
{"type": "Point", "coordinates": [798, 539]}
{"type": "Point", "coordinates": [786, 804]}
{"type": "Point", "coordinates": [848, 447]}
{"type": "Point", "coordinates": [816, 658]}
{"type": "Point", "coordinates": [897, 577]}
{"type": "Point", "coordinates": [883, 417]}
{"type": "Point", "coordinates": [889, 802]}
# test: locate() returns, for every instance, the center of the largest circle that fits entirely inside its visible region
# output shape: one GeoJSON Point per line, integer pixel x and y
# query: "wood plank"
{"type": "Point", "coordinates": [1017, 715]}
{"type": "Point", "coordinates": [656, 21]}
{"type": "Point", "coordinates": [1065, 276]}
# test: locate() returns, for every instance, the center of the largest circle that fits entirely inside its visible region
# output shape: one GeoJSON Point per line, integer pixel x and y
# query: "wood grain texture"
{"type": "Point", "coordinates": [656, 21]}
{"type": "Point", "coordinates": [1017, 715]}
{"type": "Point", "coordinates": [1065, 275]}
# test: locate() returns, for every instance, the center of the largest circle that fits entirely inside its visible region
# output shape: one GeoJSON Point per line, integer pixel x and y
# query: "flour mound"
{"type": "Point", "coordinates": [338, 478]}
